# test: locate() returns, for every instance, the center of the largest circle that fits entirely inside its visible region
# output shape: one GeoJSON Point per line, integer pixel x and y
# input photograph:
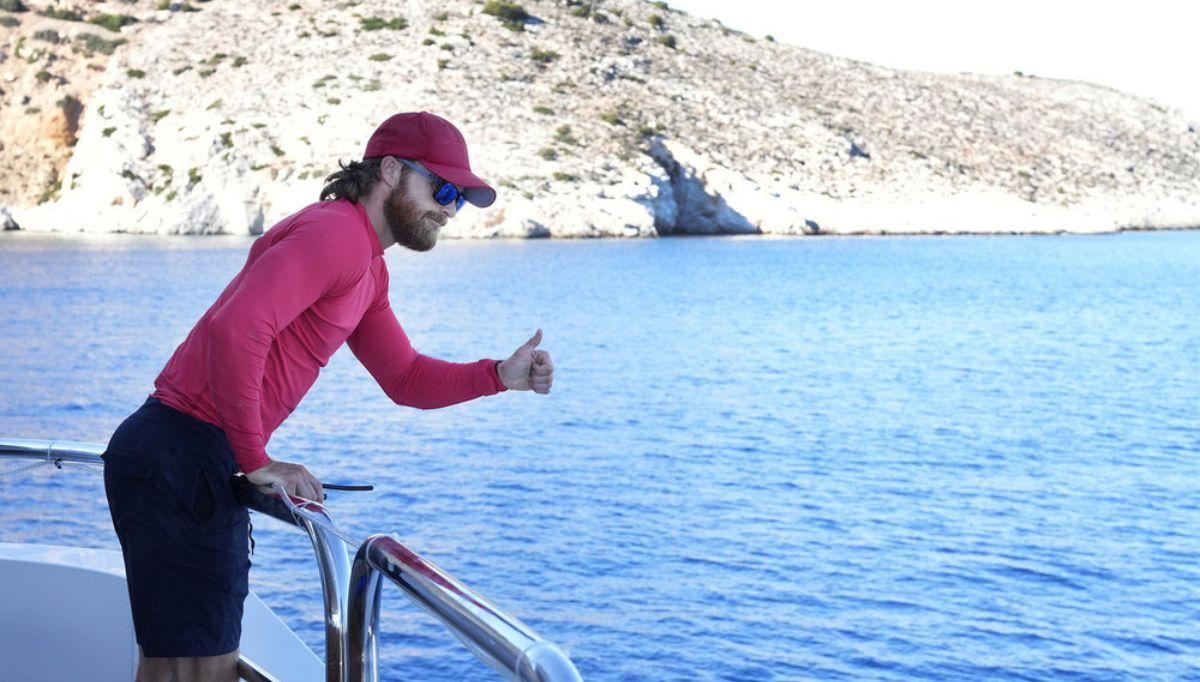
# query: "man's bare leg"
{"type": "Point", "coordinates": [154, 669]}
{"type": "Point", "coordinates": [221, 668]}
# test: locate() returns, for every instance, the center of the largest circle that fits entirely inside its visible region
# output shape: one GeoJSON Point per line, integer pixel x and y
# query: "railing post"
{"type": "Point", "coordinates": [362, 631]}
{"type": "Point", "coordinates": [334, 566]}
{"type": "Point", "coordinates": [497, 639]}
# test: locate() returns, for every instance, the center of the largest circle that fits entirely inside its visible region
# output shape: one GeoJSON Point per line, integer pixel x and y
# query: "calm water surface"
{"type": "Point", "coordinates": [763, 459]}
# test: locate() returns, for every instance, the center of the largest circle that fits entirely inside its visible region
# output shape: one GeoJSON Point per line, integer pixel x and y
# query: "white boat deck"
{"type": "Point", "coordinates": [64, 615]}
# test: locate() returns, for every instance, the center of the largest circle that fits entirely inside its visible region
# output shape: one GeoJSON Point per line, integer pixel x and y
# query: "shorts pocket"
{"type": "Point", "coordinates": [129, 488]}
{"type": "Point", "coordinates": [171, 485]}
{"type": "Point", "coordinates": [204, 499]}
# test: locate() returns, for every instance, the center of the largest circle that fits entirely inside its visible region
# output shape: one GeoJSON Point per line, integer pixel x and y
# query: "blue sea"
{"type": "Point", "coordinates": [763, 459]}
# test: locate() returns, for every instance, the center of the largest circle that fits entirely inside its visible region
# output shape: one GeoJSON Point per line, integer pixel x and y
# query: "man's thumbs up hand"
{"type": "Point", "coordinates": [528, 368]}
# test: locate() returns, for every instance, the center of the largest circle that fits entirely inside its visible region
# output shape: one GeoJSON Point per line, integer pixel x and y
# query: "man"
{"type": "Point", "coordinates": [313, 281]}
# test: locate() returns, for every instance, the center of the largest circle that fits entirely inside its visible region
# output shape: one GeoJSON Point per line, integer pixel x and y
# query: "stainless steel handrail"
{"type": "Point", "coordinates": [362, 627]}
{"type": "Point", "coordinates": [250, 671]}
{"type": "Point", "coordinates": [504, 643]}
{"type": "Point", "coordinates": [334, 565]}
{"type": "Point", "coordinates": [51, 450]}
{"type": "Point", "coordinates": [352, 592]}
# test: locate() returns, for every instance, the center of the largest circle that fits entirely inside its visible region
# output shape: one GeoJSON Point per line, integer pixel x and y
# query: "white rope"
{"type": "Point", "coordinates": [315, 519]}
{"type": "Point", "coordinates": [97, 469]}
{"type": "Point", "coordinates": [24, 468]}
{"type": "Point", "coordinates": [58, 462]}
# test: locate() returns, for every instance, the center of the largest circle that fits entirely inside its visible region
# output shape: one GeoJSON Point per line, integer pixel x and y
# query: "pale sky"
{"type": "Point", "coordinates": [1149, 48]}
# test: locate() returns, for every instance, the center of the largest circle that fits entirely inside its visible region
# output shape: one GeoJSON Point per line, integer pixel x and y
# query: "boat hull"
{"type": "Point", "coordinates": [64, 615]}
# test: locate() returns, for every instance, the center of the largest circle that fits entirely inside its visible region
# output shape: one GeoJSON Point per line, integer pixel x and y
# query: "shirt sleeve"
{"type": "Point", "coordinates": [412, 379]}
{"type": "Point", "coordinates": [280, 284]}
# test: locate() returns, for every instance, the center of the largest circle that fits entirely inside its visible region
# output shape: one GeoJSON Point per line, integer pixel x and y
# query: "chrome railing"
{"type": "Point", "coordinates": [504, 643]}
{"type": "Point", "coordinates": [333, 562]}
{"type": "Point", "coordinates": [352, 592]}
{"type": "Point", "coordinates": [250, 671]}
{"type": "Point", "coordinates": [51, 451]}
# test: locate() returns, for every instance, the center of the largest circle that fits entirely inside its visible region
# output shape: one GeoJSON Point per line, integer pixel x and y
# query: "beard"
{"type": "Point", "coordinates": [411, 226]}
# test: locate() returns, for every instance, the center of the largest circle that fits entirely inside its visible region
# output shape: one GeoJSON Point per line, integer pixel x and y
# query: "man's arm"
{"type": "Point", "coordinates": [408, 377]}
{"type": "Point", "coordinates": [275, 288]}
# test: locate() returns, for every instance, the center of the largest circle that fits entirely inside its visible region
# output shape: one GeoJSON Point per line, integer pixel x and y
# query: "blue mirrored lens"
{"type": "Point", "coordinates": [447, 193]}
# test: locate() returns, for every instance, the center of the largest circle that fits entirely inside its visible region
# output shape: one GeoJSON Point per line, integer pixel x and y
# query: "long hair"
{"type": "Point", "coordinates": [354, 181]}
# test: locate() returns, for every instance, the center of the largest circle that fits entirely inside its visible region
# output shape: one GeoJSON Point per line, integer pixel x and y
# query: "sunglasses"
{"type": "Point", "coordinates": [445, 192]}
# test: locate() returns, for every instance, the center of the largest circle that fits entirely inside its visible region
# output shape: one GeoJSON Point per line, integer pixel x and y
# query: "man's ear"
{"type": "Point", "coordinates": [392, 171]}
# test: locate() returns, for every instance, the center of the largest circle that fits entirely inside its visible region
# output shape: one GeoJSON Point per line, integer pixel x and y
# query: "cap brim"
{"type": "Point", "coordinates": [478, 192]}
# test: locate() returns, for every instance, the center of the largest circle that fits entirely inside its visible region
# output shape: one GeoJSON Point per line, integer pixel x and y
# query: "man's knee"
{"type": "Point", "coordinates": [203, 668]}
{"type": "Point", "coordinates": [221, 668]}
{"type": "Point", "coordinates": [154, 670]}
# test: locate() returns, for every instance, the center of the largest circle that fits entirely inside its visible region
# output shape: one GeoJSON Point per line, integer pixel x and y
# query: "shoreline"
{"type": "Point", "coordinates": [89, 235]}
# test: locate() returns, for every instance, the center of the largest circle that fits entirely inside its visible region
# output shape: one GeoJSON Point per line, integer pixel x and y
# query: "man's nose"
{"type": "Point", "coordinates": [450, 209]}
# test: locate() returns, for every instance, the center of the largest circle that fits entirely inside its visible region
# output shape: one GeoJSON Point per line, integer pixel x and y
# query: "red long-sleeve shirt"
{"type": "Point", "coordinates": [313, 281]}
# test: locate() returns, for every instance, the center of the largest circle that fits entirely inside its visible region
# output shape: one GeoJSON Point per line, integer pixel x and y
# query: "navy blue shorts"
{"type": "Point", "coordinates": [183, 533]}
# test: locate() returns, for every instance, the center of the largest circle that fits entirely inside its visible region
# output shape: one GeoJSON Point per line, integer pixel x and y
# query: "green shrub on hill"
{"type": "Point", "coordinates": [50, 192]}
{"type": "Point", "coordinates": [62, 14]}
{"type": "Point", "coordinates": [112, 22]}
{"type": "Point", "coordinates": [379, 23]}
{"type": "Point", "coordinates": [90, 43]}
{"type": "Point", "coordinates": [512, 15]}
{"type": "Point", "coordinates": [563, 135]}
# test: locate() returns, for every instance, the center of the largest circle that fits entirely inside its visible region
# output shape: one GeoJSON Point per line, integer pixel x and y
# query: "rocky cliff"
{"type": "Point", "coordinates": [613, 118]}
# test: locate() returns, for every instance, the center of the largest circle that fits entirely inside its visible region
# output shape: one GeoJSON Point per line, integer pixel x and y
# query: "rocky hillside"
{"type": "Point", "coordinates": [606, 118]}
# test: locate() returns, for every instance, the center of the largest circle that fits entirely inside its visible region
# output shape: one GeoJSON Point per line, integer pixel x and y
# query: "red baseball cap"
{"type": "Point", "coordinates": [437, 144]}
